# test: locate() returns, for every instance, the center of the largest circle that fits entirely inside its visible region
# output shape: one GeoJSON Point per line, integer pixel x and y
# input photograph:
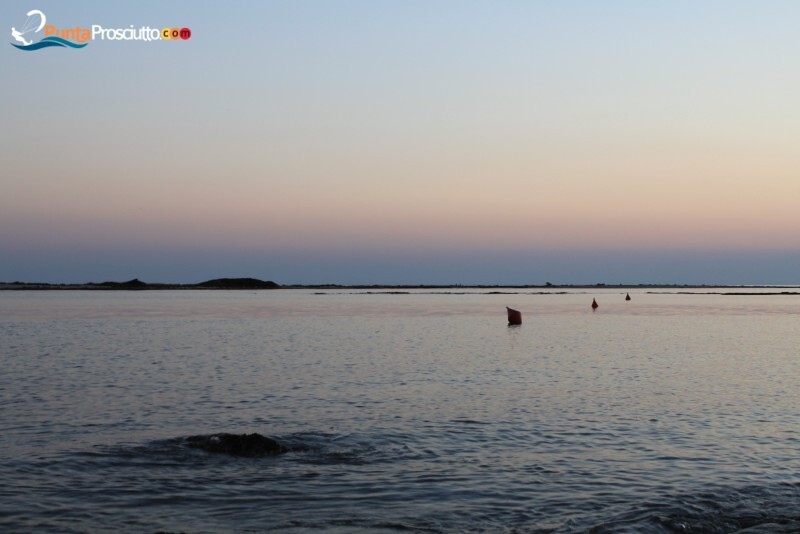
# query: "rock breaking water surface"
{"type": "Point", "coordinates": [420, 412]}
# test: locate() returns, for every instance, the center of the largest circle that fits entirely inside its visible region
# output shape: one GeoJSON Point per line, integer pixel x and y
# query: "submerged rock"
{"type": "Point", "coordinates": [250, 445]}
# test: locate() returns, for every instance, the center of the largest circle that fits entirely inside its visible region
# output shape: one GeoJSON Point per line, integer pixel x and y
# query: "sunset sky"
{"type": "Point", "coordinates": [405, 142]}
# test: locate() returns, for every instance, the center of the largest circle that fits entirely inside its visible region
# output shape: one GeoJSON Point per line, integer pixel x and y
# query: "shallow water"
{"type": "Point", "coordinates": [419, 411]}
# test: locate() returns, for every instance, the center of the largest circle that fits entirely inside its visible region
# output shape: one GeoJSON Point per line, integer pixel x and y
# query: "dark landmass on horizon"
{"type": "Point", "coordinates": [256, 284]}
{"type": "Point", "coordinates": [138, 285]}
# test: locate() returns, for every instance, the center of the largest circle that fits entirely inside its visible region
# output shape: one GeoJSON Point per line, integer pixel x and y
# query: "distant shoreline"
{"type": "Point", "coordinates": [255, 284]}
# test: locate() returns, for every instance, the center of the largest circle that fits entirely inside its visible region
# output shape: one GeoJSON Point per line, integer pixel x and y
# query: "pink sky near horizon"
{"type": "Point", "coordinates": [605, 201]}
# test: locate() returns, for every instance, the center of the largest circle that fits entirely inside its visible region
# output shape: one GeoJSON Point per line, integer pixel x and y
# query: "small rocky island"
{"type": "Point", "coordinates": [237, 283]}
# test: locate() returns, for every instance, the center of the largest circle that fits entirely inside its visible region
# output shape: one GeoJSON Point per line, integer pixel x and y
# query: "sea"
{"type": "Point", "coordinates": [405, 411]}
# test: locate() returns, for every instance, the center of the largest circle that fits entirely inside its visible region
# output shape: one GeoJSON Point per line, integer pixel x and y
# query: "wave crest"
{"type": "Point", "coordinates": [48, 42]}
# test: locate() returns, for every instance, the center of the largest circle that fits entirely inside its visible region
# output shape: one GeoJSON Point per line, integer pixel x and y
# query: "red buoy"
{"type": "Point", "coordinates": [514, 317]}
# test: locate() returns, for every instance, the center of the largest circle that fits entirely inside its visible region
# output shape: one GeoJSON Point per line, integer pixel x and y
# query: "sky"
{"type": "Point", "coordinates": [405, 142]}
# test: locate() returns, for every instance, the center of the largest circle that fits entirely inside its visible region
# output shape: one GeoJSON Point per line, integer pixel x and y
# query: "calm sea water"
{"type": "Point", "coordinates": [421, 412]}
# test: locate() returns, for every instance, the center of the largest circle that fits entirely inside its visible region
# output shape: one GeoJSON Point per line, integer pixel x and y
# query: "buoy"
{"type": "Point", "coordinates": [627, 296]}
{"type": "Point", "coordinates": [514, 317]}
{"type": "Point", "coordinates": [594, 304]}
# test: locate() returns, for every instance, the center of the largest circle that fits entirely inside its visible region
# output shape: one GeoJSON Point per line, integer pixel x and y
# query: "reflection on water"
{"type": "Point", "coordinates": [42, 305]}
{"type": "Point", "coordinates": [422, 411]}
